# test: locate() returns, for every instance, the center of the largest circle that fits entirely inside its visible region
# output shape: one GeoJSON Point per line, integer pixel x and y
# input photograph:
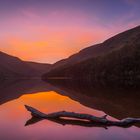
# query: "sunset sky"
{"type": "Point", "coordinates": [50, 30]}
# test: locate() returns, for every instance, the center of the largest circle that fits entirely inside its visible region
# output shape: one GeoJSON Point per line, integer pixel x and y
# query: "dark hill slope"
{"type": "Point", "coordinates": [109, 45]}
{"type": "Point", "coordinates": [117, 65]}
{"type": "Point", "coordinates": [13, 67]}
{"type": "Point", "coordinates": [40, 67]}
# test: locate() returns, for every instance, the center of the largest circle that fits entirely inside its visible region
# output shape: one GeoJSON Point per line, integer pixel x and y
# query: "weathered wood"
{"type": "Point", "coordinates": [64, 121]}
{"type": "Point", "coordinates": [92, 119]}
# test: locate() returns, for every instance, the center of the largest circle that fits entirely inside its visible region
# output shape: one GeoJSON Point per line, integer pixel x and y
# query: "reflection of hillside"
{"type": "Point", "coordinates": [12, 89]}
{"type": "Point", "coordinates": [117, 103]}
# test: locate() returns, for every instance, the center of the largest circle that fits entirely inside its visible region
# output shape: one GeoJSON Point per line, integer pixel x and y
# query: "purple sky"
{"type": "Point", "coordinates": [49, 30]}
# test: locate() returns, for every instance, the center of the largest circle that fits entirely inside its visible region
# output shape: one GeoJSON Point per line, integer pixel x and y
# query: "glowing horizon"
{"type": "Point", "coordinates": [47, 31]}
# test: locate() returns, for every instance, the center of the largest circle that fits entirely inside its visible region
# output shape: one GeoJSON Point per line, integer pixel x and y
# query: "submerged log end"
{"type": "Point", "coordinates": [34, 112]}
{"type": "Point", "coordinates": [29, 108]}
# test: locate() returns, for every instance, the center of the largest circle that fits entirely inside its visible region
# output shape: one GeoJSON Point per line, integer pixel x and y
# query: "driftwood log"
{"type": "Point", "coordinates": [83, 119]}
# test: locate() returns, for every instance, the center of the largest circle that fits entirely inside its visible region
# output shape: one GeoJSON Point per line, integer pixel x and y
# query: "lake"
{"type": "Point", "coordinates": [16, 122]}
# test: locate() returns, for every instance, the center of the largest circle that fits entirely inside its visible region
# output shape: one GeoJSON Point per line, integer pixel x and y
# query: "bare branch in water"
{"type": "Point", "coordinates": [85, 119]}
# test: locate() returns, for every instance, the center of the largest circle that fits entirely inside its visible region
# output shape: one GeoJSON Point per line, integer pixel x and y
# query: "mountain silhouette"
{"type": "Point", "coordinates": [13, 67]}
{"type": "Point", "coordinates": [115, 62]}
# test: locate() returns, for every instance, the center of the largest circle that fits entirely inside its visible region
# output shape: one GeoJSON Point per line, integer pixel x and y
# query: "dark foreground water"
{"type": "Point", "coordinates": [14, 119]}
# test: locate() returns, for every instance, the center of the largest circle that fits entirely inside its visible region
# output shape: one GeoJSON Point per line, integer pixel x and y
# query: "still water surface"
{"type": "Point", "coordinates": [14, 116]}
{"type": "Point", "coordinates": [48, 98]}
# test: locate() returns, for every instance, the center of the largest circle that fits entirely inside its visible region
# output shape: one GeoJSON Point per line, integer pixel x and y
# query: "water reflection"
{"type": "Point", "coordinates": [118, 103]}
{"type": "Point", "coordinates": [64, 122]}
{"type": "Point", "coordinates": [69, 96]}
{"type": "Point", "coordinates": [12, 89]}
